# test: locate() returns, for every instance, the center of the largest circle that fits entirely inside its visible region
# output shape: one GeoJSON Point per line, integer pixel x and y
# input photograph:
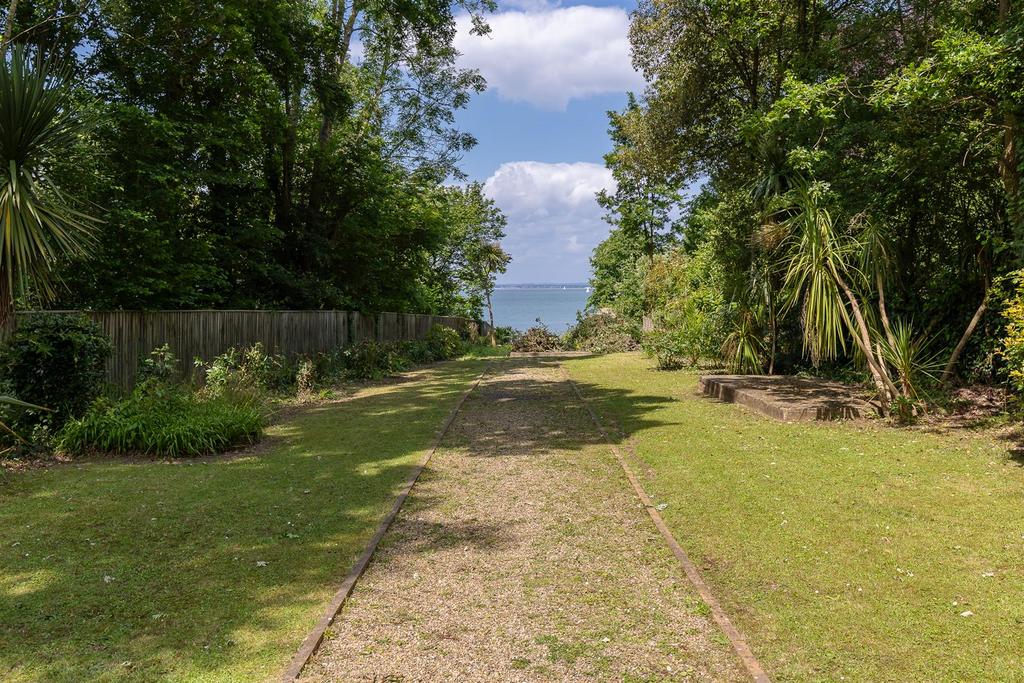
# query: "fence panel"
{"type": "Point", "coordinates": [207, 334]}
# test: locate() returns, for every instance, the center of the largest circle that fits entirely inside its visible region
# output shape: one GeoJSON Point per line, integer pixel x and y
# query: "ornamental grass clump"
{"type": "Point", "coordinates": [166, 420]}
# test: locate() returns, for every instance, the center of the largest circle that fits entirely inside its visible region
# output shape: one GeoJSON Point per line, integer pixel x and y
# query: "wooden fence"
{"type": "Point", "coordinates": [206, 334]}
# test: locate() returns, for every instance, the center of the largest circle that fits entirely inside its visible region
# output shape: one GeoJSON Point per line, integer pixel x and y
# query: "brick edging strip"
{"type": "Point", "coordinates": [739, 643]}
{"type": "Point", "coordinates": [316, 636]}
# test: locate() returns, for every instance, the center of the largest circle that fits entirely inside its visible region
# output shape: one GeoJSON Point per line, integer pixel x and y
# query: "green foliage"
{"type": "Point", "coordinates": [869, 147]}
{"type": "Point", "coordinates": [443, 342]}
{"type": "Point", "coordinates": [691, 314]}
{"type": "Point", "coordinates": [602, 333]}
{"type": "Point", "coordinates": [915, 368]}
{"type": "Point", "coordinates": [744, 348]}
{"type": "Point", "coordinates": [164, 420]}
{"type": "Point", "coordinates": [305, 378]}
{"type": "Point", "coordinates": [38, 225]}
{"type": "Point", "coordinates": [246, 155]}
{"type": "Point", "coordinates": [251, 371]}
{"type": "Point", "coordinates": [1013, 340]}
{"type": "Point", "coordinates": [504, 335]}
{"type": "Point", "coordinates": [373, 360]}
{"type": "Point", "coordinates": [618, 266]}
{"type": "Point", "coordinates": [463, 268]}
{"type": "Point", "coordinates": [817, 259]}
{"type": "Point", "coordinates": [56, 361]}
{"type": "Point", "coordinates": [161, 365]}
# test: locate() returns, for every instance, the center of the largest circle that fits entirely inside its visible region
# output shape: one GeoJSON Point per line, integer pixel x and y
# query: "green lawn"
{"type": "Point", "coordinates": [208, 571]}
{"type": "Point", "coordinates": [843, 551]}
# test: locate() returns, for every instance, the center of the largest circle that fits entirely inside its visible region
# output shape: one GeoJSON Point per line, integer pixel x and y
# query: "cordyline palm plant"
{"type": "Point", "coordinates": [830, 274]}
{"type": "Point", "coordinates": [38, 226]}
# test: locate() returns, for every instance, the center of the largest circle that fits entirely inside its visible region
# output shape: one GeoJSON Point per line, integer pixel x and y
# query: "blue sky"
{"type": "Point", "coordinates": [553, 71]}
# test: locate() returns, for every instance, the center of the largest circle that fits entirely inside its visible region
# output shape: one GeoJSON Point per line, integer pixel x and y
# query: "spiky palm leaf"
{"type": "Point", "coordinates": [744, 347]}
{"type": "Point", "coordinates": [909, 355]}
{"type": "Point", "coordinates": [817, 255]}
{"type": "Point", "coordinates": [38, 226]}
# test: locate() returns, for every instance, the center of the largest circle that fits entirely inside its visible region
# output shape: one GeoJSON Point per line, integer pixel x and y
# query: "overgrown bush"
{"type": "Point", "coordinates": [536, 339]}
{"type": "Point", "coordinates": [166, 420]}
{"type": "Point", "coordinates": [599, 332]}
{"type": "Point", "coordinates": [443, 342]}
{"type": "Point", "coordinates": [306, 377]}
{"type": "Point", "coordinates": [504, 336]}
{"type": "Point", "coordinates": [54, 361]}
{"type": "Point", "coordinates": [671, 348]}
{"type": "Point", "coordinates": [372, 360]}
{"type": "Point", "coordinates": [251, 371]}
{"type": "Point", "coordinates": [682, 337]}
{"type": "Point", "coordinates": [690, 316]}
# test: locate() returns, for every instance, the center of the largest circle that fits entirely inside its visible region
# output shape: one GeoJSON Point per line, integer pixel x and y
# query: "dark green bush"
{"type": "Point", "coordinates": [504, 335]}
{"type": "Point", "coordinates": [602, 333]}
{"type": "Point", "coordinates": [55, 361]}
{"type": "Point", "coordinates": [443, 342]}
{"type": "Point", "coordinates": [164, 420]}
{"type": "Point", "coordinates": [373, 360]}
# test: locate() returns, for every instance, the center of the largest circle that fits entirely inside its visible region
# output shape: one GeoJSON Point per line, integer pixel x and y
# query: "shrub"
{"type": "Point", "coordinates": [602, 333]}
{"type": "Point", "coordinates": [55, 361]}
{"type": "Point", "coordinates": [373, 360]}
{"type": "Point", "coordinates": [161, 364]}
{"type": "Point", "coordinates": [251, 371]}
{"type": "Point", "coordinates": [164, 420]}
{"type": "Point", "coordinates": [443, 342]}
{"type": "Point", "coordinates": [1013, 343]}
{"type": "Point", "coordinates": [535, 339]}
{"type": "Point", "coordinates": [504, 335]}
{"type": "Point", "coordinates": [692, 320]}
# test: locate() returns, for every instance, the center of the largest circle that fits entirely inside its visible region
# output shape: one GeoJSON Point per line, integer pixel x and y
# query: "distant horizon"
{"type": "Point", "coordinates": [508, 285]}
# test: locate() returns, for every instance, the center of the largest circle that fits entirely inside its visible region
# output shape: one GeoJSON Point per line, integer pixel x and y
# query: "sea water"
{"type": "Point", "coordinates": [555, 305]}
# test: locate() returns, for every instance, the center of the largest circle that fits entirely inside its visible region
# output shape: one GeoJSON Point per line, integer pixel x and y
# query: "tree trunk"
{"type": "Point", "coordinates": [12, 10]}
{"type": "Point", "coordinates": [947, 373]}
{"type": "Point", "coordinates": [862, 337]}
{"type": "Point", "coordinates": [1009, 163]}
{"type": "Point", "coordinates": [883, 312]}
{"type": "Point", "coordinates": [6, 300]}
{"type": "Point", "coordinates": [490, 314]}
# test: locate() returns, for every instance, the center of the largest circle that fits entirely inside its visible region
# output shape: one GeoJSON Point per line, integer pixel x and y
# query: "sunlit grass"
{"type": "Point", "coordinates": [852, 551]}
{"type": "Point", "coordinates": [211, 570]}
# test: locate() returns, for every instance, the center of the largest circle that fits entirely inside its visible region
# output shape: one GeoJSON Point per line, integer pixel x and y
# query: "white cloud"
{"type": "Point", "coordinates": [554, 221]}
{"type": "Point", "coordinates": [548, 56]}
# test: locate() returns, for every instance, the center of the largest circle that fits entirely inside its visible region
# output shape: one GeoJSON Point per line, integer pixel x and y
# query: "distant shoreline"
{"type": "Point", "coordinates": [557, 285]}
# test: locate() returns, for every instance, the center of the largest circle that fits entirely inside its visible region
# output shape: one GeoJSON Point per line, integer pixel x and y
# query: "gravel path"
{"type": "Point", "coordinates": [523, 555]}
